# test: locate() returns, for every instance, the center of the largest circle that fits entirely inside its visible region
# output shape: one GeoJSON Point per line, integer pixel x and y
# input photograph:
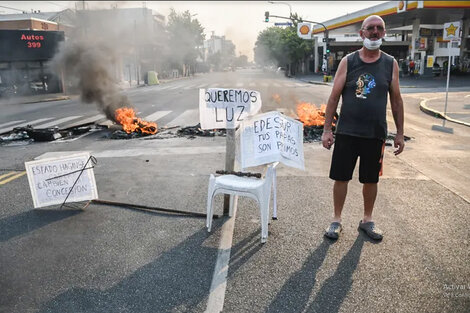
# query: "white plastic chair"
{"type": "Point", "coordinates": [258, 189]}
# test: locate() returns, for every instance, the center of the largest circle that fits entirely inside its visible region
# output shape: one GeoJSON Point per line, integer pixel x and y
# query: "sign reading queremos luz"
{"type": "Point", "coordinates": [27, 45]}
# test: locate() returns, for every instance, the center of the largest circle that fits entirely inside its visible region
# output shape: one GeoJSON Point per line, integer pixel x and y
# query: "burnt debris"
{"type": "Point", "coordinates": [193, 131]}
{"type": "Point", "coordinates": [30, 134]}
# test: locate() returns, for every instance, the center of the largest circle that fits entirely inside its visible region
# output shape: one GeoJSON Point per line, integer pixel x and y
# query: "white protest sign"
{"type": "Point", "coordinates": [271, 137]}
{"type": "Point", "coordinates": [452, 31]}
{"type": "Point", "coordinates": [47, 190]}
{"type": "Point", "coordinates": [226, 108]}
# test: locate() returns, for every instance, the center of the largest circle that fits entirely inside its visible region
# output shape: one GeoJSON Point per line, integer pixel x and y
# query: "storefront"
{"type": "Point", "coordinates": [25, 62]}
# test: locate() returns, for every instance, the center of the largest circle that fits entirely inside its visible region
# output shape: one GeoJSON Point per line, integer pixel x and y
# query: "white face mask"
{"type": "Point", "coordinates": [372, 44]}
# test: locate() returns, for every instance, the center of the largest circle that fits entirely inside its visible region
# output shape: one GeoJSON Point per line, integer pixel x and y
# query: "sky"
{"type": "Point", "coordinates": [239, 21]}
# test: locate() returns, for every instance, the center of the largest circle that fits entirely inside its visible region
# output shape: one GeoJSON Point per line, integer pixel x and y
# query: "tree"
{"type": "Point", "coordinates": [282, 46]}
{"type": "Point", "coordinates": [185, 36]}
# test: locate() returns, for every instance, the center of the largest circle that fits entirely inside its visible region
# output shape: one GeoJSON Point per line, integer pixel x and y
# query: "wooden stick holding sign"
{"type": "Point", "coordinates": [227, 108]}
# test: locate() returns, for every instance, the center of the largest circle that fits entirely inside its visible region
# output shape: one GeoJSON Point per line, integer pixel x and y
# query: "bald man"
{"type": "Point", "coordinates": [364, 79]}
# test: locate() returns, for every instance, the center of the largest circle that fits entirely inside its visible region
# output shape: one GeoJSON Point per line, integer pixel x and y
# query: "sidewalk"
{"type": "Point", "coordinates": [406, 82]}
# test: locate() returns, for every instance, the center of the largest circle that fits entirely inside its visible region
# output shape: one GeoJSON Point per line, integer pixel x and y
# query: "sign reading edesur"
{"type": "Point", "coordinates": [271, 137]}
{"type": "Point", "coordinates": [304, 30]}
{"type": "Point", "coordinates": [47, 190]}
{"type": "Point", "coordinates": [226, 108]}
{"type": "Point", "coordinates": [452, 31]}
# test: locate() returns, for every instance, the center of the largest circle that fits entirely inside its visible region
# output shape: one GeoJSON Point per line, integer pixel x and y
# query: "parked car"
{"type": "Point", "coordinates": [38, 86]}
{"type": "Point", "coordinates": [281, 71]}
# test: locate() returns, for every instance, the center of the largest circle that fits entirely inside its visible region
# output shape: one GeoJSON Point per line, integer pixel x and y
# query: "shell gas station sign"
{"type": "Point", "coordinates": [304, 30]}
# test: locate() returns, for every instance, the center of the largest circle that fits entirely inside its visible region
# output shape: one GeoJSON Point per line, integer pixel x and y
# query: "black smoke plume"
{"type": "Point", "coordinates": [91, 64]}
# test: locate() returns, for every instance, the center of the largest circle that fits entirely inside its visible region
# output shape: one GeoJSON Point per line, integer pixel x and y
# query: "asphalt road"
{"type": "Point", "coordinates": [112, 259]}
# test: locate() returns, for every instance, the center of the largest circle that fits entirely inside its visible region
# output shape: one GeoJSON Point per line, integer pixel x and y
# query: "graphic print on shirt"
{"type": "Point", "coordinates": [365, 83]}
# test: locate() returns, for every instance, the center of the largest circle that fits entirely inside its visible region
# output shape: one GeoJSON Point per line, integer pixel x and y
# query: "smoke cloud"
{"type": "Point", "coordinates": [90, 62]}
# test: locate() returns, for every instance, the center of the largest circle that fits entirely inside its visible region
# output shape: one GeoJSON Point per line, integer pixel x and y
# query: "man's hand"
{"type": "Point", "coordinates": [327, 139]}
{"type": "Point", "coordinates": [399, 143]}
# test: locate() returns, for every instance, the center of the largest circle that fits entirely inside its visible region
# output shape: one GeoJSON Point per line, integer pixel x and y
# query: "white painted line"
{"type": "Point", "coordinates": [11, 123]}
{"type": "Point", "coordinates": [190, 87]}
{"type": "Point", "coordinates": [215, 303]}
{"type": "Point", "coordinates": [126, 153]}
{"type": "Point", "coordinates": [239, 85]}
{"type": "Point", "coordinates": [4, 130]}
{"type": "Point", "coordinates": [92, 119]}
{"type": "Point", "coordinates": [157, 115]}
{"type": "Point", "coordinates": [188, 117]}
{"type": "Point", "coordinates": [201, 86]}
{"type": "Point", "coordinates": [265, 84]}
{"type": "Point", "coordinates": [59, 121]}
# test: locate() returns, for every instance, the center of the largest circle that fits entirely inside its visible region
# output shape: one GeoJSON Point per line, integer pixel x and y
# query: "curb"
{"type": "Point", "coordinates": [38, 100]}
{"type": "Point", "coordinates": [318, 83]}
{"type": "Point", "coordinates": [423, 107]}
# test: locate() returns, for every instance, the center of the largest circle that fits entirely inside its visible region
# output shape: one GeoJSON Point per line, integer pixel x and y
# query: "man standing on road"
{"type": "Point", "coordinates": [364, 79]}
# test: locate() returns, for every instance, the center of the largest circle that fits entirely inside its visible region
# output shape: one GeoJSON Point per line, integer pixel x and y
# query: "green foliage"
{"type": "Point", "coordinates": [281, 46]}
{"type": "Point", "coordinates": [185, 36]}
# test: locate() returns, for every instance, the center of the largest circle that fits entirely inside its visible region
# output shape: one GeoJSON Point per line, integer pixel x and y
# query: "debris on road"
{"type": "Point", "coordinates": [193, 131]}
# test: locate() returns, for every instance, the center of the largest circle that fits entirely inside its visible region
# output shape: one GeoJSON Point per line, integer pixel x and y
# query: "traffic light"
{"type": "Point", "coordinates": [266, 16]}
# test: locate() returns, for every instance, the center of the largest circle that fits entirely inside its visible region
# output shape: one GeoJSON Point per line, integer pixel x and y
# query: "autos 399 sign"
{"type": "Point", "coordinates": [26, 45]}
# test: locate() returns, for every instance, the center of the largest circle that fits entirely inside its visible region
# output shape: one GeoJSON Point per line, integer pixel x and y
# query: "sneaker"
{"type": "Point", "coordinates": [333, 231]}
{"type": "Point", "coordinates": [371, 230]}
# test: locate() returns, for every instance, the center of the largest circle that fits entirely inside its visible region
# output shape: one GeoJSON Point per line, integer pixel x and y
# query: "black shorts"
{"type": "Point", "coordinates": [345, 153]}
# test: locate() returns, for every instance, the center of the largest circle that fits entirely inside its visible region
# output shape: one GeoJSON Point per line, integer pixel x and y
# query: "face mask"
{"type": "Point", "coordinates": [371, 44]}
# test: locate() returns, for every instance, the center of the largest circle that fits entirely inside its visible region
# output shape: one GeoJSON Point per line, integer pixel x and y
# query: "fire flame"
{"type": "Point", "coordinates": [130, 123]}
{"type": "Point", "coordinates": [310, 115]}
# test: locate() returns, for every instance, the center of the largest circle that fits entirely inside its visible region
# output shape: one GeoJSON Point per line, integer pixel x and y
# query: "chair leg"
{"type": "Point", "coordinates": [264, 216]}
{"type": "Point", "coordinates": [233, 204]}
{"type": "Point", "coordinates": [210, 204]}
{"type": "Point", "coordinates": [274, 196]}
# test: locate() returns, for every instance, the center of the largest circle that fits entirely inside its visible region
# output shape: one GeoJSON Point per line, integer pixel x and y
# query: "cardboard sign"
{"type": "Point", "coordinates": [271, 137]}
{"type": "Point", "coordinates": [47, 190]}
{"type": "Point", "coordinates": [226, 108]}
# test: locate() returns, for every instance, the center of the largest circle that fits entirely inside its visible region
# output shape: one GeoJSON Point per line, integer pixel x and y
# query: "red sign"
{"type": "Point", "coordinates": [30, 43]}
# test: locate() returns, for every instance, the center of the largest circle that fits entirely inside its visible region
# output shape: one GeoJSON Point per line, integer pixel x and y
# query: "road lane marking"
{"type": "Point", "coordinates": [239, 85]}
{"type": "Point", "coordinates": [11, 123]}
{"type": "Point", "coordinates": [17, 175]}
{"type": "Point", "coordinates": [7, 129]}
{"type": "Point", "coordinates": [90, 119]}
{"type": "Point", "coordinates": [6, 175]}
{"type": "Point", "coordinates": [157, 115]}
{"type": "Point", "coordinates": [215, 303]}
{"type": "Point", "coordinates": [59, 121]}
{"type": "Point", "coordinates": [187, 117]}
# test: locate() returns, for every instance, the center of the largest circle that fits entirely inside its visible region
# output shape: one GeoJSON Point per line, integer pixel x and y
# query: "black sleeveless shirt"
{"type": "Point", "coordinates": [364, 107]}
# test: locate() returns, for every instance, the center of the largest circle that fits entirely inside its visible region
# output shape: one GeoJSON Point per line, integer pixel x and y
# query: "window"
{"type": "Point", "coordinates": [443, 45]}
{"type": "Point", "coordinates": [455, 44]}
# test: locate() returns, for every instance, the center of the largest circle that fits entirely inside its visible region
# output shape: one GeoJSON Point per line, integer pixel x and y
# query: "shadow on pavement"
{"type": "Point", "coordinates": [294, 295]}
{"type": "Point", "coordinates": [175, 280]}
{"type": "Point", "coordinates": [335, 289]}
{"type": "Point", "coordinates": [31, 220]}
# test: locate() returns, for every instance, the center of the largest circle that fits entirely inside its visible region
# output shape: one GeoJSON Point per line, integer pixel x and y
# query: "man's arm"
{"type": "Point", "coordinates": [332, 105]}
{"type": "Point", "coordinates": [397, 109]}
